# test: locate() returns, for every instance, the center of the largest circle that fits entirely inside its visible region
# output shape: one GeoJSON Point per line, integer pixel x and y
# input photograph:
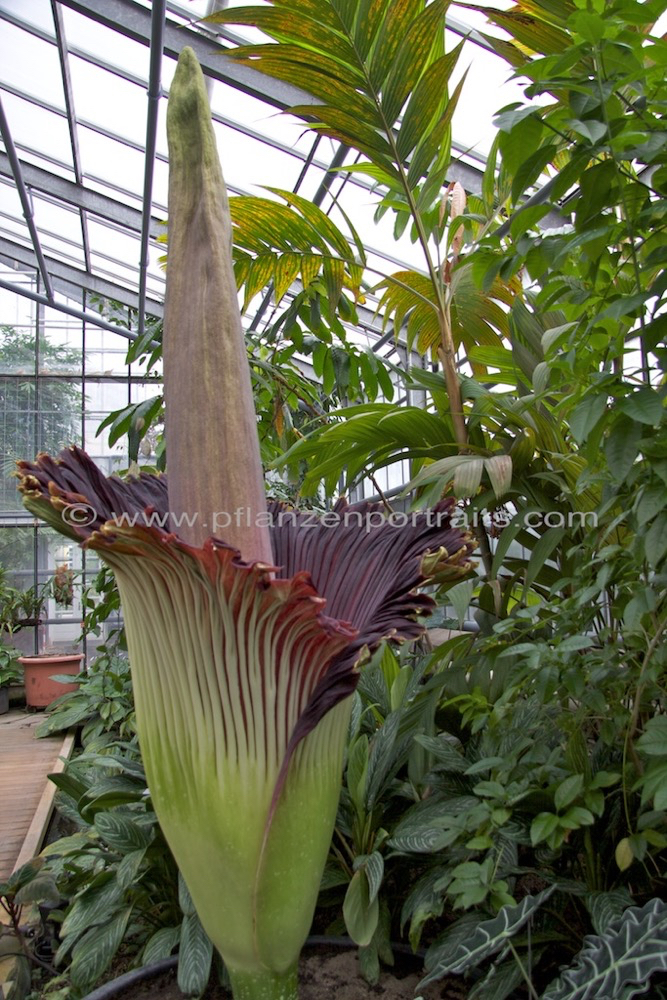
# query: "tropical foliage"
{"type": "Point", "coordinates": [504, 803]}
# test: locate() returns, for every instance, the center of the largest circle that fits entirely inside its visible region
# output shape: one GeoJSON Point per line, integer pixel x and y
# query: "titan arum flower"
{"type": "Point", "coordinates": [245, 648]}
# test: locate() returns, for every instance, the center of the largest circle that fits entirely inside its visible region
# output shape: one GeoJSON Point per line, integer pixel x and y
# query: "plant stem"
{"type": "Point", "coordinates": [264, 984]}
{"type": "Point", "coordinates": [524, 973]}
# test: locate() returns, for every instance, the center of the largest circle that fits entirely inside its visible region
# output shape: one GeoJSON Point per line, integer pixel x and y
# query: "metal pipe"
{"type": "Point", "coordinates": [154, 95]}
{"type": "Point", "coordinates": [25, 202]}
{"type": "Point", "coordinates": [68, 310]}
{"type": "Point", "coordinates": [63, 55]}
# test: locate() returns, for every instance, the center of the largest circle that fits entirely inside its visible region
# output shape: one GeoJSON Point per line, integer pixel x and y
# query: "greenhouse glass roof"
{"type": "Point", "coordinates": [83, 164]}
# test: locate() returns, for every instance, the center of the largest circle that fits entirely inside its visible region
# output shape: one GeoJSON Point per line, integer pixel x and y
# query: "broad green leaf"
{"type": "Point", "coordinates": [500, 982]}
{"type": "Point", "coordinates": [434, 146]}
{"type": "Point", "coordinates": [360, 913]}
{"type": "Point", "coordinates": [93, 953]}
{"type": "Point", "coordinates": [509, 535]}
{"type": "Point", "coordinates": [424, 839]}
{"type": "Point", "coordinates": [384, 757]}
{"type": "Point", "coordinates": [357, 771]}
{"type": "Point", "coordinates": [529, 32]}
{"type": "Point", "coordinates": [459, 597]}
{"type": "Point", "coordinates": [644, 405]}
{"type": "Point", "coordinates": [129, 867]}
{"type": "Point", "coordinates": [499, 470]}
{"type": "Point", "coordinates": [655, 541]}
{"type": "Point", "coordinates": [632, 948]}
{"type": "Point", "coordinates": [530, 169]}
{"type": "Point", "coordinates": [93, 905]}
{"type": "Point", "coordinates": [447, 756]}
{"type": "Point", "coordinates": [624, 856]}
{"type": "Point", "coordinates": [489, 937]}
{"type": "Point", "coordinates": [161, 944]}
{"type": "Point", "coordinates": [542, 551]}
{"type": "Point", "coordinates": [653, 741]}
{"type": "Point", "coordinates": [568, 790]}
{"type": "Point", "coordinates": [393, 28]}
{"type": "Point", "coordinates": [605, 907]}
{"type": "Point", "coordinates": [542, 827]}
{"type": "Point", "coordinates": [427, 102]}
{"type": "Point", "coordinates": [279, 21]}
{"type": "Point", "coordinates": [585, 416]}
{"type": "Point", "coordinates": [195, 955]}
{"type": "Point", "coordinates": [288, 266]}
{"type": "Point", "coordinates": [622, 447]}
{"type": "Point", "coordinates": [374, 865]}
{"type": "Point", "coordinates": [121, 833]}
{"type": "Point", "coordinates": [412, 58]}
{"type": "Point", "coordinates": [184, 897]}
{"type": "Point", "coordinates": [41, 889]}
{"type": "Point", "coordinates": [468, 475]}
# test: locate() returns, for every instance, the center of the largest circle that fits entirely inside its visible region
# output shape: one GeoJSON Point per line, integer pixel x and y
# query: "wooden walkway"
{"type": "Point", "coordinates": [26, 795]}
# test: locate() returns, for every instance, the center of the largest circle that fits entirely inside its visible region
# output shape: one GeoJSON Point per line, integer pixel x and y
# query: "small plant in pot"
{"type": "Point", "coordinates": [10, 673]}
{"type": "Point", "coordinates": [46, 675]}
{"type": "Point", "coordinates": [20, 608]}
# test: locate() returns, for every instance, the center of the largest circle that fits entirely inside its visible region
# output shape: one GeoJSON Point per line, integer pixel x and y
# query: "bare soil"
{"type": "Point", "coordinates": [324, 975]}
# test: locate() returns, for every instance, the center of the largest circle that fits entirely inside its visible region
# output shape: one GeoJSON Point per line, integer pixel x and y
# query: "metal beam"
{"type": "Point", "coordinates": [80, 197]}
{"type": "Point", "coordinates": [76, 278]}
{"type": "Point", "coordinates": [63, 55]}
{"type": "Point", "coordinates": [467, 174]}
{"type": "Point", "coordinates": [154, 95]}
{"type": "Point", "coordinates": [25, 199]}
{"type": "Point", "coordinates": [134, 21]}
{"type": "Point", "coordinates": [62, 307]}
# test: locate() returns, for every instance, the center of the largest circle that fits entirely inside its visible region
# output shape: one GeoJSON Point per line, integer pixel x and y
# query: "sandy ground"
{"type": "Point", "coordinates": [323, 976]}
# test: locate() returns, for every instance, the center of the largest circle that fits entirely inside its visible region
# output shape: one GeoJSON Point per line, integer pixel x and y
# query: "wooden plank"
{"type": "Point", "coordinates": [26, 801]}
{"type": "Point", "coordinates": [26, 795]}
{"type": "Point", "coordinates": [40, 821]}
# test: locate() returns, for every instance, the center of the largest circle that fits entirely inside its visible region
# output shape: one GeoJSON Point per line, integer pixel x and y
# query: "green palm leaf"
{"type": "Point", "coordinates": [365, 60]}
{"type": "Point", "coordinates": [372, 436]}
{"type": "Point", "coordinates": [477, 316]}
{"type": "Point", "coordinates": [278, 243]}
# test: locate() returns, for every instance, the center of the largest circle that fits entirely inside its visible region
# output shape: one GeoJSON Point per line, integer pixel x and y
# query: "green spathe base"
{"type": "Point", "coordinates": [265, 985]}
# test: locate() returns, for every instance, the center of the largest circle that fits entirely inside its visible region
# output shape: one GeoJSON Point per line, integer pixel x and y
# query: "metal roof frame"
{"type": "Point", "coordinates": [165, 29]}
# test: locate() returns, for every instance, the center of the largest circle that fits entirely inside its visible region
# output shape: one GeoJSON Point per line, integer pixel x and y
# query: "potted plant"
{"type": "Point", "coordinates": [20, 608]}
{"type": "Point", "coordinates": [43, 675]}
{"type": "Point", "coordinates": [10, 673]}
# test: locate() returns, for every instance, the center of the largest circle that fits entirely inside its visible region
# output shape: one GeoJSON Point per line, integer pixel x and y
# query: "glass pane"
{"type": "Point", "coordinates": [34, 128]}
{"type": "Point", "coordinates": [17, 555]}
{"type": "Point", "coordinates": [21, 53]}
{"type": "Point", "coordinates": [110, 161]}
{"type": "Point", "coordinates": [103, 398]}
{"type": "Point", "coordinates": [113, 244]}
{"type": "Point", "coordinates": [105, 355]}
{"type": "Point", "coordinates": [106, 99]}
{"type": "Point", "coordinates": [64, 222]}
{"type": "Point", "coordinates": [10, 203]}
{"type": "Point", "coordinates": [17, 433]}
{"type": "Point", "coordinates": [83, 32]}
{"type": "Point", "coordinates": [16, 310]}
{"type": "Point", "coordinates": [58, 414]}
{"type": "Point", "coordinates": [17, 349]}
{"type": "Point", "coordinates": [62, 349]}
{"type": "Point", "coordinates": [60, 575]}
{"type": "Point", "coordinates": [33, 11]}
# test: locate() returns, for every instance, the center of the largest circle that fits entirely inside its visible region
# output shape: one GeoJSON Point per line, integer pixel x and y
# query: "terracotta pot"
{"type": "Point", "coordinates": [40, 690]}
